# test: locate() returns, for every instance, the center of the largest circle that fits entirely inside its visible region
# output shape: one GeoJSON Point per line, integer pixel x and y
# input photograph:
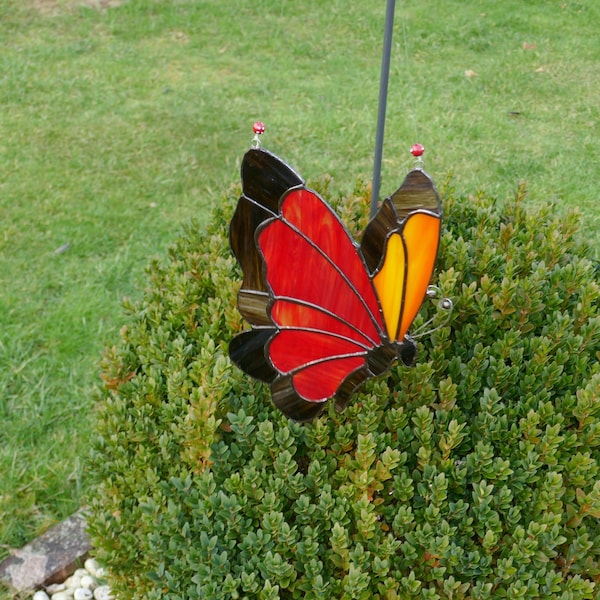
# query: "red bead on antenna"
{"type": "Point", "coordinates": [259, 129]}
{"type": "Point", "coordinates": [417, 150]}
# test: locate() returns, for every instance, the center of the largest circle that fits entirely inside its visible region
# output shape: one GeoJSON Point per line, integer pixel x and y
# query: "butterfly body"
{"type": "Point", "coordinates": [326, 312]}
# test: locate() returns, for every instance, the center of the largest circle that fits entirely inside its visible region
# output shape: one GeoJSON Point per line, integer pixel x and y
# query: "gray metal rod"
{"type": "Point", "coordinates": [383, 93]}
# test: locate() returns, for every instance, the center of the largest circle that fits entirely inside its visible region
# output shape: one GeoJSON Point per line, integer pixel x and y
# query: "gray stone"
{"type": "Point", "coordinates": [50, 558]}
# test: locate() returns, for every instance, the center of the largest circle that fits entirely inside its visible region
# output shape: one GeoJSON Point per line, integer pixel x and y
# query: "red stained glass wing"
{"type": "Point", "coordinates": [317, 361]}
{"type": "Point", "coordinates": [320, 382]}
{"type": "Point", "coordinates": [311, 258]}
{"type": "Point", "coordinates": [293, 349]}
{"type": "Point", "coordinates": [287, 313]}
{"type": "Point", "coordinates": [324, 301]}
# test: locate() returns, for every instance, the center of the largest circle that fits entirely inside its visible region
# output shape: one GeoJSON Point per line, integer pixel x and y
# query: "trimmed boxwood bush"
{"type": "Point", "coordinates": [474, 474]}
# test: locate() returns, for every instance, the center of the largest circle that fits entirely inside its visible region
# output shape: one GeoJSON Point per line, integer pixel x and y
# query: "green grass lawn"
{"type": "Point", "coordinates": [119, 124]}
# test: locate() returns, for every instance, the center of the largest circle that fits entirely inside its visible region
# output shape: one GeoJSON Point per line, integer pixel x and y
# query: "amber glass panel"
{"type": "Point", "coordinates": [421, 235]}
{"type": "Point", "coordinates": [389, 283]}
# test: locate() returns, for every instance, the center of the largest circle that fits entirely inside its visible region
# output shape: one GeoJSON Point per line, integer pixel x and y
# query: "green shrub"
{"type": "Point", "coordinates": [474, 474]}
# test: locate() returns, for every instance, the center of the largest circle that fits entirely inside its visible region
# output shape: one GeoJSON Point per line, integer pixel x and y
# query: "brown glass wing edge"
{"type": "Point", "coordinates": [417, 192]}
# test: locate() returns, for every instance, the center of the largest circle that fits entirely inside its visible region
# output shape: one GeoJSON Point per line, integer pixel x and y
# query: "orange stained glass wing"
{"type": "Point", "coordinates": [389, 283]}
{"type": "Point", "coordinates": [404, 276]}
{"type": "Point", "coordinates": [421, 234]}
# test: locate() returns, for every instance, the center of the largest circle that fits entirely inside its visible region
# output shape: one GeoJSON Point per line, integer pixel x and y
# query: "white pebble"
{"type": "Point", "coordinates": [89, 582]}
{"type": "Point", "coordinates": [41, 595]}
{"type": "Point", "coordinates": [100, 573]}
{"type": "Point", "coordinates": [81, 573]}
{"type": "Point", "coordinates": [73, 582]}
{"type": "Point", "coordinates": [103, 593]}
{"type": "Point", "coordinates": [62, 596]}
{"type": "Point", "coordinates": [83, 594]}
{"type": "Point", "coordinates": [55, 587]}
{"type": "Point", "coordinates": [91, 566]}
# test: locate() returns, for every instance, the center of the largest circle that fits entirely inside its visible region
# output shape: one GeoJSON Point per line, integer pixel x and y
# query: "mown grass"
{"type": "Point", "coordinates": [118, 125]}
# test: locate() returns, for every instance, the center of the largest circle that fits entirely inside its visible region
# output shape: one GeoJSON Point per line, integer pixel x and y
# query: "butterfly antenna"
{"type": "Point", "coordinates": [444, 305]}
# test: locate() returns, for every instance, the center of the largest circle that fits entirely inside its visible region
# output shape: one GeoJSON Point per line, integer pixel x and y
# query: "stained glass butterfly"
{"type": "Point", "coordinates": [326, 312]}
